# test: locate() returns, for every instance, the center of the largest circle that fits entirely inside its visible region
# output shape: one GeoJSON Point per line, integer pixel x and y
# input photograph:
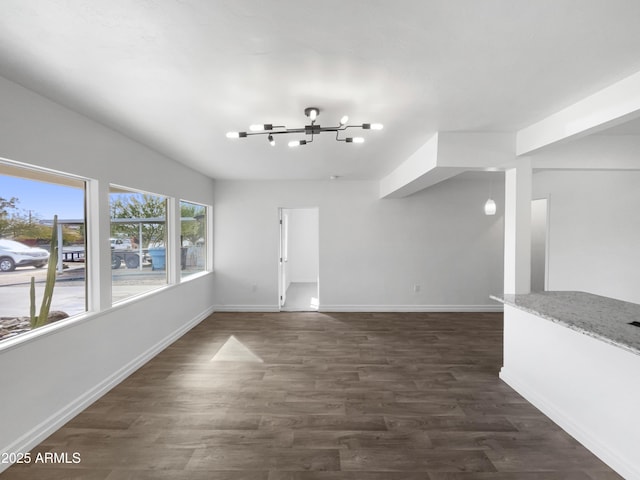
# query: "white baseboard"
{"type": "Point", "coordinates": [368, 308]}
{"type": "Point", "coordinates": [563, 420]}
{"type": "Point", "coordinates": [40, 432]}
{"type": "Point", "coordinates": [246, 308]}
{"type": "Point", "coordinates": [411, 308]}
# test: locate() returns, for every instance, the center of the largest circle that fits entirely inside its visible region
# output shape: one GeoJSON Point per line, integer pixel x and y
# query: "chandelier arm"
{"type": "Point", "coordinates": [344, 127]}
{"type": "Point", "coordinates": [284, 132]}
{"type": "Point", "coordinates": [288, 130]}
{"type": "Point", "coordinates": [340, 129]}
{"type": "Point", "coordinates": [328, 129]}
{"type": "Point", "coordinates": [318, 129]}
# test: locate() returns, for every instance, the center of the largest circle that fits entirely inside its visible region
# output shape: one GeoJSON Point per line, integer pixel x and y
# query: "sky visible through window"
{"type": "Point", "coordinates": [43, 199]}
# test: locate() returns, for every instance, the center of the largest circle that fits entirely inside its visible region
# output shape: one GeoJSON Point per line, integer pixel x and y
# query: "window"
{"type": "Point", "coordinates": [193, 238]}
{"type": "Point", "coordinates": [138, 242]}
{"type": "Point", "coordinates": [29, 200]}
{"type": "Point", "coordinates": [43, 213]}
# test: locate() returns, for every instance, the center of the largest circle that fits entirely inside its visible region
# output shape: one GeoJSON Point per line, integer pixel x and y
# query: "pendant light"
{"type": "Point", "coordinates": [490, 207]}
{"type": "Point", "coordinates": [490, 204]}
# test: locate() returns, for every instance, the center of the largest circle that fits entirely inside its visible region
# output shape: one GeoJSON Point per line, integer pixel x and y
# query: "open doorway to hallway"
{"type": "Point", "coordinates": [539, 245]}
{"type": "Point", "coordinates": [299, 259]}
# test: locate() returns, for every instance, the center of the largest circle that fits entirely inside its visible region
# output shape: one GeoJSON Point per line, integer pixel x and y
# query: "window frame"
{"type": "Point", "coordinates": [208, 238]}
{"type": "Point", "coordinates": [168, 243]}
{"type": "Point", "coordinates": [36, 173]}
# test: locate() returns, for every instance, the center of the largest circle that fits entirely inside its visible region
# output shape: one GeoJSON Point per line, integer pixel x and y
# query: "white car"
{"type": "Point", "coordinates": [121, 244]}
{"type": "Point", "coordinates": [15, 254]}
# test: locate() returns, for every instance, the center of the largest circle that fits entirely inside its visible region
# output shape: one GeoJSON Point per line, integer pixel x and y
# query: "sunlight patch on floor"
{"type": "Point", "coordinates": [235, 351]}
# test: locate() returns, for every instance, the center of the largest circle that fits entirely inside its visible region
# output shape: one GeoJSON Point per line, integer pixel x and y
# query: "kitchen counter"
{"type": "Point", "coordinates": [603, 318]}
{"type": "Point", "coordinates": [575, 357]}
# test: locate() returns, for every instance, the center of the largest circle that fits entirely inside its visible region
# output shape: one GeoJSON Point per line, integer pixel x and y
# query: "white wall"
{"type": "Point", "coordinates": [372, 251]}
{"type": "Point", "coordinates": [51, 376]}
{"type": "Point", "coordinates": [303, 245]}
{"type": "Point", "coordinates": [594, 231]}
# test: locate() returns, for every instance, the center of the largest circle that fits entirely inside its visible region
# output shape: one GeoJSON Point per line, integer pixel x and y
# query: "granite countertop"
{"type": "Point", "coordinates": [603, 318]}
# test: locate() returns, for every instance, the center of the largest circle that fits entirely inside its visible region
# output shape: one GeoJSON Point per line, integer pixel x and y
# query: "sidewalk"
{"type": "Point", "coordinates": [69, 292]}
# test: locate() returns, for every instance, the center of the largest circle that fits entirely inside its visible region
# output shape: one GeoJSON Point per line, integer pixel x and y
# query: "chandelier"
{"type": "Point", "coordinates": [271, 130]}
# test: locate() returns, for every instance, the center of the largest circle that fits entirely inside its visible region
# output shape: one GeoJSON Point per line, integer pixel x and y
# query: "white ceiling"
{"type": "Point", "coordinates": [178, 74]}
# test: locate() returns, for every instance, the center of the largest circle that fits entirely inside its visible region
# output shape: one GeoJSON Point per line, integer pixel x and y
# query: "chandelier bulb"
{"type": "Point", "coordinates": [344, 120]}
{"type": "Point", "coordinates": [272, 142]}
{"type": "Point", "coordinates": [236, 134]}
{"type": "Point", "coordinates": [260, 127]}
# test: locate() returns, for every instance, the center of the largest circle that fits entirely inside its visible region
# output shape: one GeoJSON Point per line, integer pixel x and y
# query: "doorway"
{"type": "Point", "coordinates": [299, 259]}
{"type": "Point", "coordinates": [539, 245]}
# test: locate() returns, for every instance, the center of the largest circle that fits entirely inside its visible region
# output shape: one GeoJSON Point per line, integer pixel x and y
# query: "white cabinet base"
{"type": "Point", "coordinates": [588, 387]}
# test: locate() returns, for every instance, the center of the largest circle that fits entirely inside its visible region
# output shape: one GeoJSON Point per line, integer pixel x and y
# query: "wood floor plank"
{"type": "Point", "coordinates": [60, 473]}
{"type": "Point", "coordinates": [415, 460]}
{"type": "Point", "coordinates": [359, 439]}
{"type": "Point", "coordinates": [509, 476]}
{"type": "Point", "coordinates": [347, 476]}
{"type": "Point", "coordinates": [118, 474]}
{"type": "Point", "coordinates": [448, 423]}
{"type": "Point", "coordinates": [284, 459]}
{"type": "Point", "coordinates": [349, 396]}
{"type": "Point", "coordinates": [363, 423]}
{"type": "Point", "coordinates": [198, 439]}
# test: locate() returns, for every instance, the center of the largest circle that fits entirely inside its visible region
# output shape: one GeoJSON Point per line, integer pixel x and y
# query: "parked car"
{"type": "Point", "coordinates": [121, 244]}
{"type": "Point", "coordinates": [15, 254]}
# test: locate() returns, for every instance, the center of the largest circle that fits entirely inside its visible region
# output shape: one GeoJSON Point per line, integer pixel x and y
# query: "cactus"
{"type": "Point", "coordinates": [32, 301]}
{"type": "Point", "coordinates": [43, 317]}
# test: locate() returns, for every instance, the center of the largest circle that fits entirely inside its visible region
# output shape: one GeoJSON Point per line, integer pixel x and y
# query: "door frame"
{"type": "Point", "coordinates": [547, 239]}
{"type": "Point", "coordinates": [283, 229]}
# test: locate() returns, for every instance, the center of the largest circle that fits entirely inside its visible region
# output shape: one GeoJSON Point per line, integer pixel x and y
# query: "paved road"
{"type": "Point", "coordinates": [69, 292]}
{"type": "Point", "coordinates": [14, 300]}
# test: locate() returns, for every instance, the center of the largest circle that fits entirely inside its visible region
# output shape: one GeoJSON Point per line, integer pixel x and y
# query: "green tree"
{"type": "Point", "coordinates": [192, 230]}
{"type": "Point", "coordinates": [6, 206]}
{"type": "Point", "coordinates": [136, 206]}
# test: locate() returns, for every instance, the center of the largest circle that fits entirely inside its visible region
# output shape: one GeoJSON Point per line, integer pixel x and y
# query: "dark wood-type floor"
{"type": "Point", "coordinates": [338, 396]}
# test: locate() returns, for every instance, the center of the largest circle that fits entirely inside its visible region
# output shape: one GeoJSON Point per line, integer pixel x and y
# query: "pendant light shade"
{"type": "Point", "coordinates": [490, 207]}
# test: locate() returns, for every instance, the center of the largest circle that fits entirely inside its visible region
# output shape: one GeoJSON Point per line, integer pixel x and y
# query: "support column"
{"type": "Point", "coordinates": [517, 227]}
